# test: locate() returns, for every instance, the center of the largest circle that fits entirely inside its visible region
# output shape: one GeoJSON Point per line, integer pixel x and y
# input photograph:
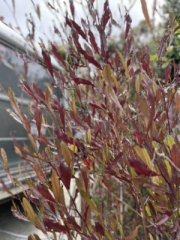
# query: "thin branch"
{"type": "Point", "coordinates": [119, 200]}
{"type": "Point", "coordinates": [163, 155]}
{"type": "Point", "coordinates": [143, 217]}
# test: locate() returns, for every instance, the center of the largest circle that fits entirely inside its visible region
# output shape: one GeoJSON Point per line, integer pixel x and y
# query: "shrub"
{"type": "Point", "coordinates": [125, 167]}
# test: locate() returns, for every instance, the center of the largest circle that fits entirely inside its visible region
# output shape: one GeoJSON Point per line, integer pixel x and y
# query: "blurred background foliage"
{"type": "Point", "coordinates": [142, 36]}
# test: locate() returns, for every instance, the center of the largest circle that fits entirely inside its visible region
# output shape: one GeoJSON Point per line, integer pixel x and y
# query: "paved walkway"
{"type": "Point", "coordinates": [12, 228]}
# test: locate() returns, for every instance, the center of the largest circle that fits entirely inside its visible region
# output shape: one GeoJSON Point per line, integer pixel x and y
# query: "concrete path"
{"type": "Point", "coordinates": [12, 228]}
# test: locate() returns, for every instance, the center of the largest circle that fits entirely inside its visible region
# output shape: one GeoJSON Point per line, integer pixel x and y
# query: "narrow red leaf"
{"type": "Point", "coordinates": [151, 117]}
{"type": "Point", "coordinates": [128, 24]}
{"type": "Point", "coordinates": [57, 54]}
{"type": "Point", "coordinates": [38, 118]}
{"type": "Point", "coordinates": [141, 169]}
{"type": "Point", "coordinates": [65, 174]}
{"type": "Point", "coordinates": [158, 114]}
{"type": "Point", "coordinates": [95, 106]}
{"type": "Point", "coordinates": [106, 14]}
{"type": "Point", "coordinates": [61, 114]}
{"type": "Point", "coordinates": [45, 193]}
{"type": "Point", "coordinates": [118, 157]}
{"type": "Point", "coordinates": [175, 155]}
{"type": "Point", "coordinates": [72, 221]}
{"type": "Point", "coordinates": [87, 163]}
{"type": "Point", "coordinates": [99, 228]}
{"type": "Point", "coordinates": [47, 60]}
{"type": "Point", "coordinates": [91, 60]}
{"type": "Point", "coordinates": [28, 90]}
{"type": "Point", "coordinates": [45, 140]}
{"type": "Point", "coordinates": [139, 137]}
{"type": "Point", "coordinates": [72, 23]}
{"type": "Point", "coordinates": [25, 68]}
{"type": "Point", "coordinates": [162, 119]}
{"type": "Point", "coordinates": [162, 46]}
{"type": "Point", "coordinates": [63, 137]}
{"type": "Point", "coordinates": [72, 7]}
{"type": "Point", "coordinates": [38, 91]}
{"type": "Point", "coordinates": [93, 41]}
{"type": "Point", "coordinates": [167, 73]}
{"type": "Point", "coordinates": [54, 226]}
{"type": "Point", "coordinates": [85, 177]}
{"type": "Point", "coordinates": [83, 81]}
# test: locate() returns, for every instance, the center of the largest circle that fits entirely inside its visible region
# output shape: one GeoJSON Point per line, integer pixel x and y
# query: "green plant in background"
{"type": "Point", "coordinates": [172, 6]}
{"type": "Point", "coordinates": [172, 9]}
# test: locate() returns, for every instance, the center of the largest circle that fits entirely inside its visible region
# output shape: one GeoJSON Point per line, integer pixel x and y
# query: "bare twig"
{"type": "Point", "coordinates": [119, 200]}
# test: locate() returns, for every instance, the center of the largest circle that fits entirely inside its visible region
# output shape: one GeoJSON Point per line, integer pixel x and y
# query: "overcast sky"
{"type": "Point", "coordinates": [24, 7]}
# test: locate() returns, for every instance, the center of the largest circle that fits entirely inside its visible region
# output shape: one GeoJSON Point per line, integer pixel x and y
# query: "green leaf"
{"type": "Point", "coordinates": [146, 13]}
{"type": "Point", "coordinates": [30, 212]}
{"type": "Point", "coordinates": [107, 73]}
{"type": "Point", "coordinates": [154, 57]}
{"type": "Point", "coordinates": [168, 166]}
{"type": "Point", "coordinates": [55, 186]}
{"type": "Point", "coordinates": [89, 201]}
{"type": "Point", "coordinates": [5, 160]}
{"type": "Point", "coordinates": [108, 235]}
{"type": "Point", "coordinates": [88, 135]}
{"type": "Point", "coordinates": [143, 155]}
{"type": "Point", "coordinates": [150, 237]}
{"type": "Point", "coordinates": [148, 210]}
{"type": "Point", "coordinates": [66, 153]}
{"type": "Point", "coordinates": [169, 141]}
{"type": "Point", "coordinates": [123, 63]}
